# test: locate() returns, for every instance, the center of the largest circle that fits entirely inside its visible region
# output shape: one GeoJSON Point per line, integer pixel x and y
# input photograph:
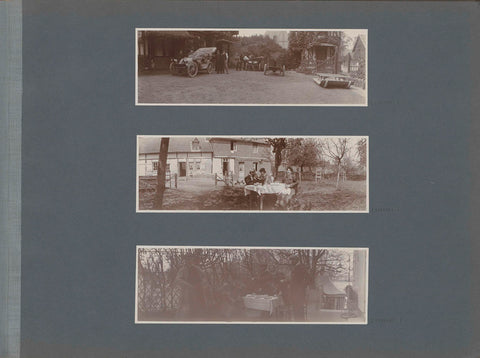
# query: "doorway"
{"type": "Point", "coordinates": [241, 171]}
{"type": "Point", "coordinates": [225, 167]}
{"type": "Point", "coordinates": [183, 169]}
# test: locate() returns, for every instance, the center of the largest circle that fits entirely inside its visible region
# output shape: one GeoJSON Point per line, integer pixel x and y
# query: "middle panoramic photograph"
{"type": "Point", "coordinates": [322, 174]}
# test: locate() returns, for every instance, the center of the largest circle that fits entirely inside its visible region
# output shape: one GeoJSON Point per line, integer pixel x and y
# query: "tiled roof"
{"type": "Point", "coordinates": [176, 144]}
{"type": "Point", "coordinates": [362, 39]}
{"type": "Point", "coordinates": [240, 139]}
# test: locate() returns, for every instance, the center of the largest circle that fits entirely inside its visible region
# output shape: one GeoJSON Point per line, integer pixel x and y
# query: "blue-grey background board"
{"type": "Point", "coordinates": [80, 229]}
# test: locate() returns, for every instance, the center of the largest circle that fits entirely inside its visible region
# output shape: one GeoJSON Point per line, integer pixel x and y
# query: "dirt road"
{"type": "Point", "coordinates": [242, 87]}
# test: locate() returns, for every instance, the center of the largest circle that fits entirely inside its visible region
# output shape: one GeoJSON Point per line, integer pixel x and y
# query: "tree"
{"type": "Point", "coordinates": [278, 145]}
{"type": "Point", "coordinates": [302, 153]}
{"type": "Point", "coordinates": [347, 44]}
{"type": "Point", "coordinates": [362, 153]}
{"type": "Point", "coordinates": [259, 45]}
{"type": "Point", "coordinates": [336, 149]}
{"type": "Point", "coordinates": [161, 173]}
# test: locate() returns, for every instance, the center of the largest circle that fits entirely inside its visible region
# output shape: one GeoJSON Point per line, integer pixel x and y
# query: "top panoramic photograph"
{"type": "Point", "coordinates": [251, 67]}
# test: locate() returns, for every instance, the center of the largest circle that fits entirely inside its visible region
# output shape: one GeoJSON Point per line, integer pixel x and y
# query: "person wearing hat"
{"type": "Point", "coordinates": [264, 178]}
{"type": "Point", "coordinates": [251, 178]}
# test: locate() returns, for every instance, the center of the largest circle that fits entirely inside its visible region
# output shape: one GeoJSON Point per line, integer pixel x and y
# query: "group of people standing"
{"type": "Point", "coordinates": [242, 62]}
{"type": "Point", "coordinates": [221, 62]}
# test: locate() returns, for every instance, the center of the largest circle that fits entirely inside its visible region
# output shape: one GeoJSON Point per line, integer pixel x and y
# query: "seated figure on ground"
{"type": "Point", "coordinates": [290, 183]}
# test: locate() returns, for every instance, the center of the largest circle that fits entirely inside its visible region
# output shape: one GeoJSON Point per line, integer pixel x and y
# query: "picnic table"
{"type": "Point", "coordinates": [262, 190]}
{"type": "Point", "coordinates": [262, 302]}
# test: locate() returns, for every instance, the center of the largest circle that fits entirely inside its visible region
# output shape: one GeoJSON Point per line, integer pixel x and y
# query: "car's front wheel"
{"type": "Point", "coordinates": [210, 68]}
{"type": "Point", "coordinates": [173, 71]}
{"type": "Point", "coordinates": [192, 70]}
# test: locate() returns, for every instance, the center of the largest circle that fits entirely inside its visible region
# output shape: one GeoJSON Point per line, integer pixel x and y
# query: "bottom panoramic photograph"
{"type": "Point", "coordinates": [244, 285]}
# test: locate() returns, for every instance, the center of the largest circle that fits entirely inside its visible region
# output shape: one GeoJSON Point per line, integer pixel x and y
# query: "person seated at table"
{"type": "Point", "coordinates": [251, 178]}
{"type": "Point", "coordinates": [264, 178]}
{"type": "Point", "coordinates": [290, 183]}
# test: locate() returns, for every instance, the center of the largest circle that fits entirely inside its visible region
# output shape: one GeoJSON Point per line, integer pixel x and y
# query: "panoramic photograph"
{"type": "Point", "coordinates": [263, 285]}
{"type": "Point", "coordinates": [252, 174]}
{"type": "Point", "coordinates": [251, 67]}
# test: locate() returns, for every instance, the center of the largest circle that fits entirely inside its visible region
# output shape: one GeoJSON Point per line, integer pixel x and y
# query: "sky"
{"type": "Point", "coordinates": [250, 32]}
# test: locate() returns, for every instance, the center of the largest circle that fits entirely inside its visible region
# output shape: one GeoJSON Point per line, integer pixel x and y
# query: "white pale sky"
{"type": "Point", "coordinates": [353, 33]}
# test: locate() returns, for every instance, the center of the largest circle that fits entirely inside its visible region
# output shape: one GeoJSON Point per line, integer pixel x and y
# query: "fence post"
{"type": "Point", "coordinates": [175, 180]}
{"type": "Point", "coordinates": [215, 179]}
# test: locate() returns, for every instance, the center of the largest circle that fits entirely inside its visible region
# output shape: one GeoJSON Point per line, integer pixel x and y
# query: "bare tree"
{"type": "Point", "coordinates": [336, 149]}
{"type": "Point", "coordinates": [161, 172]}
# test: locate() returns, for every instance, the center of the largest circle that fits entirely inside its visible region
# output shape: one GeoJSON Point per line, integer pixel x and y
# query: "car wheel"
{"type": "Point", "coordinates": [192, 70]}
{"type": "Point", "coordinates": [173, 71]}
{"type": "Point", "coordinates": [210, 68]}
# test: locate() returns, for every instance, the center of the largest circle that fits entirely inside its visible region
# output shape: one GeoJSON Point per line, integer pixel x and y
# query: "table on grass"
{"type": "Point", "coordinates": [262, 302]}
{"type": "Point", "coordinates": [262, 190]}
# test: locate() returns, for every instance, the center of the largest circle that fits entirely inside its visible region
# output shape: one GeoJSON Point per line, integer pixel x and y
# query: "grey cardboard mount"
{"type": "Point", "coordinates": [79, 228]}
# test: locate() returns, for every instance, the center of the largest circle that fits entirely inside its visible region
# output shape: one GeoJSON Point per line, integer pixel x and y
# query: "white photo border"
{"type": "Point", "coordinates": [245, 104]}
{"type": "Point", "coordinates": [367, 193]}
{"type": "Point", "coordinates": [367, 264]}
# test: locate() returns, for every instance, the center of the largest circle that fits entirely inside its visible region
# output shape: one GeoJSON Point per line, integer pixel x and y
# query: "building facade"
{"type": "Point", "coordinates": [194, 157]}
{"type": "Point", "coordinates": [319, 50]}
{"type": "Point", "coordinates": [358, 55]}
{"type": "Point", "coordinates": [157, 48]}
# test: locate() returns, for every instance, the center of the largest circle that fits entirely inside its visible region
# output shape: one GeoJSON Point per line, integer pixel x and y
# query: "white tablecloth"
{"type": "Point", "coordinates": [261, 302]}
{"type": "Point", "coordinates": [274, 188]}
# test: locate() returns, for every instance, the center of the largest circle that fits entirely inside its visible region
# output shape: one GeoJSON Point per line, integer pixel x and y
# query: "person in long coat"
{"type": "Point", "coordinates": [299, 279]}
{"type": "Point", "coordinates": [191, 280]}
{"type": "Point", "coordinates": [219, 62]}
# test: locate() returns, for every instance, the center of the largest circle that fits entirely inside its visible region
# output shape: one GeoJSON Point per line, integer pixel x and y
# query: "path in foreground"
{"type": "Point", "coordinates": [242, 87]}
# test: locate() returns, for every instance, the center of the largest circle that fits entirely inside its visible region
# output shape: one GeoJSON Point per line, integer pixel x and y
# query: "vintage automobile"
{"type": "Point", "coordinates": [331, 80]}
{"type": "Point", "coordinates": [255, 63]}
{"type": "Point", "coordinates": [274, 64]}
{"type": "Point", "coordinates": [202, 60]}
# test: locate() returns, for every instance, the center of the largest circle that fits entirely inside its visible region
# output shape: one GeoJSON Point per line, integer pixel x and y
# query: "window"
{"type": "Point", "coordinates": [196, 145]}
{"type": "Point", "coordinates": [255, 147]}
{"type": "Point", "coordinates": [197, 164]}
{"type": "Point", "coordinates": [155, 166]}
{"type": "Point", "coordinates": [233, 146]}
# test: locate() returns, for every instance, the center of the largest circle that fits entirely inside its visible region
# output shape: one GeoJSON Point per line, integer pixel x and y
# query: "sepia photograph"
{"type": "Point", "coordinates": [245, 174]}
{"type": "Point", "coordinates": [264, 285]}
{"type": "Point", "coordinates": [274, 67]}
